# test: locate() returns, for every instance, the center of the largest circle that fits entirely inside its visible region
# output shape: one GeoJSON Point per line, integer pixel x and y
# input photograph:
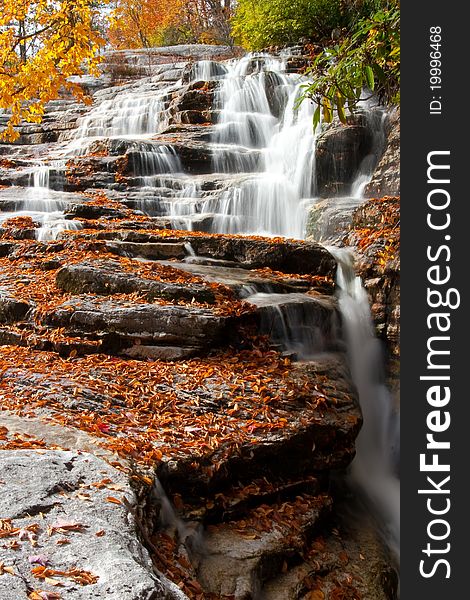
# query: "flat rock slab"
{"type": "Point", "coordinates": [151, 251]}
{"type": "Point", "coordinates": [242, 281]}
{"type": "Point", "coordinates": [56, 512]}
{"type": "Point", "coordinates": [153, 323]}
{"type": "Point", "coordinates": [108, 277]}
{"type": "Point", "coordinates": [288, 256]}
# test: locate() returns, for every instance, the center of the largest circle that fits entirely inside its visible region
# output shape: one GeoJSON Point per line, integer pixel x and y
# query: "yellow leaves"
{"type": "Point", "coordinates": [65, 40]}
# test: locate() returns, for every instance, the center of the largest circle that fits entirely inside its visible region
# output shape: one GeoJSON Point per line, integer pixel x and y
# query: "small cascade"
{"type": "Point", "coordinates": [183, 206]}
{"type": "Point", "coordinates": [329, 218]}
{"type": "Point", "coordinates": [207, 70]}
{"type": "Point", "coordinates": [375, 120]}
{"type": "Point", "coordinates": [246, 118]}
{"type": "Point", "coordinates": [40, 177]}
{"type": "Point", "coordinates": [150, 161]}
{"type": "Point", "coordinates": [41, 197]}
{"type": "Point", "coordinates": [53, 225]}
{"type": "Point", "coordinates": [259, 113]}
{"type": "Point", "coordinates": [373, 468]}
{"type": "Point", "coordinates": [302, 325]}
{"type": "Point", "coordinates": [44, 205]}
{"type": "Point", "coordinates": [128, 114]}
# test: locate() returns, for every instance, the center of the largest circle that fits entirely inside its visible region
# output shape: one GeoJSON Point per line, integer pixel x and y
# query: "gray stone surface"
{"type": "Point", "coordinates": [11, 308]}
{"type": "Point", "coordinates": [386, 178]}
{"type": "Point", "coordinates": [125, 324]}
{"type": "Point", "coordinates": [52, 493]}
{"type": "Point", "coordinates": [109, 277]}
{"type": "Point", "coordinates": [236, 563]}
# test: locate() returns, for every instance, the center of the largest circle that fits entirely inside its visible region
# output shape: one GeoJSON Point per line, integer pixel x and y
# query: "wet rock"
{"type": "Point", "coordinates": [12, 310]}
{"type": "Point", "coordinates": [378, 262]}
{"type": "Point", "coordinates": [283, 255]}
{"type": "Point", "coordinates": [52, 493]}
{"type": "Point", "coordinates": [386, 178]}
{"type": "Point", "coordinates": [317, 440]}
{"type": "Point", "coordinates": [243, 282]}
{"type": "Point", "coordinates": [328, 219]}
{"type": "Point", "coordinates": [154, 324]}
{"type": "Point", "coordinates": [7, 248]}
{"type": "Point", "coordinates": [348, 561]}
{"type": "Point", "coordinates": [339, 154]}
{"type": "Point", "coordinates": [237, 562]}
{"type": "Point", "coordinates": [149, 250]}
{"type": "Point", "coordinates": [91, 211]}
{"type": "Point", "coordinates": [275, 93]}
{"type": "Point", "coordinates": [198, 96]}
{"type": "Point", "coordinates": [107, 278]}
{"type": "Point", "coordinates": [301, 324]}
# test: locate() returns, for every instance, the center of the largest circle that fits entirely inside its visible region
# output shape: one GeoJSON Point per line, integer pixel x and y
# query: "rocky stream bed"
{"type": "Point", "coordinates": [177, 411]}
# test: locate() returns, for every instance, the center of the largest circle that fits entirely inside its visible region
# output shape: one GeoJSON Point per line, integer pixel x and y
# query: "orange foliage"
{"type": "Point", "coordinates": [141, 23]}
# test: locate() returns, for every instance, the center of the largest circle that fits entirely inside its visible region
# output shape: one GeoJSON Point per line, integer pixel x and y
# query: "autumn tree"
{"type": "Point", "coordinates": [143, 23]}
{"type": "Point", "coordinates": [149, 23]}
{"type": "Point", "coordinates": [42, 44]}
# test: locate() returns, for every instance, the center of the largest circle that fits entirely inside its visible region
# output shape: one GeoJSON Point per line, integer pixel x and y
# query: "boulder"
{"type": "Point", "coordinates": [12, 309]}
{"type": "Point", "coordinates": [339, 153]}
{"type": "Point", "coordinates": [56, 496]}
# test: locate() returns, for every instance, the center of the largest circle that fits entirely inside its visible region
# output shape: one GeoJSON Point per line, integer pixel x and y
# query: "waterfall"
{"type": "Point", "coordinates": [40, 176]}
{"type": "Point", "coordinates": [373, 468]}
{"type": "Point", "coordinates": [261, 154]}
{"type": "Point", "coordinates": [44, 205]}
{"type": "Point", "coordinates": [207, 70]}
{"type": "Point", "coordinates": [124, 115]}
{"type": "Point", "coordinates": [375, 120]}
{"type": "Point", "coordinates": [258, 108]}
{"type": "Point", "coordinates": [294, 321]}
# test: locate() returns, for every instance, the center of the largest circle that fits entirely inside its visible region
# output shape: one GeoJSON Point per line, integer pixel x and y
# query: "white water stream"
{"type": "Point", "coordinates": [377, 445]}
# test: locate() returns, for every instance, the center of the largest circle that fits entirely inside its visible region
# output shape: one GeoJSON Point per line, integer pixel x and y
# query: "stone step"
{"type": "Point", "coordinates": [122, 325]}
{"type": "Point", "coordinates": [288, 256]}
{"type": "Point", "coordinates": [108, 278]}
{"type": "Point", "coordinates": [148, 250]}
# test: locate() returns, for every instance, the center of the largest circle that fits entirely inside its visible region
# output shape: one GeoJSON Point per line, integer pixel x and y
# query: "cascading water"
{"type": "Point", "coordinates": [258, 104]}
{"type": "Point", "coordinates": [124, 115]}
{"type": "Point", "coordinates": [375, 120]}
{"type": "Point", "coordinates": [373, 468]}
{"type": "Point", "coordinates": [42, 204]}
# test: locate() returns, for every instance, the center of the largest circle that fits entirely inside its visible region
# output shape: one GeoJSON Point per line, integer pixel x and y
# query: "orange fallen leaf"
{"type": "Point", "coordinates": [113, 500]}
